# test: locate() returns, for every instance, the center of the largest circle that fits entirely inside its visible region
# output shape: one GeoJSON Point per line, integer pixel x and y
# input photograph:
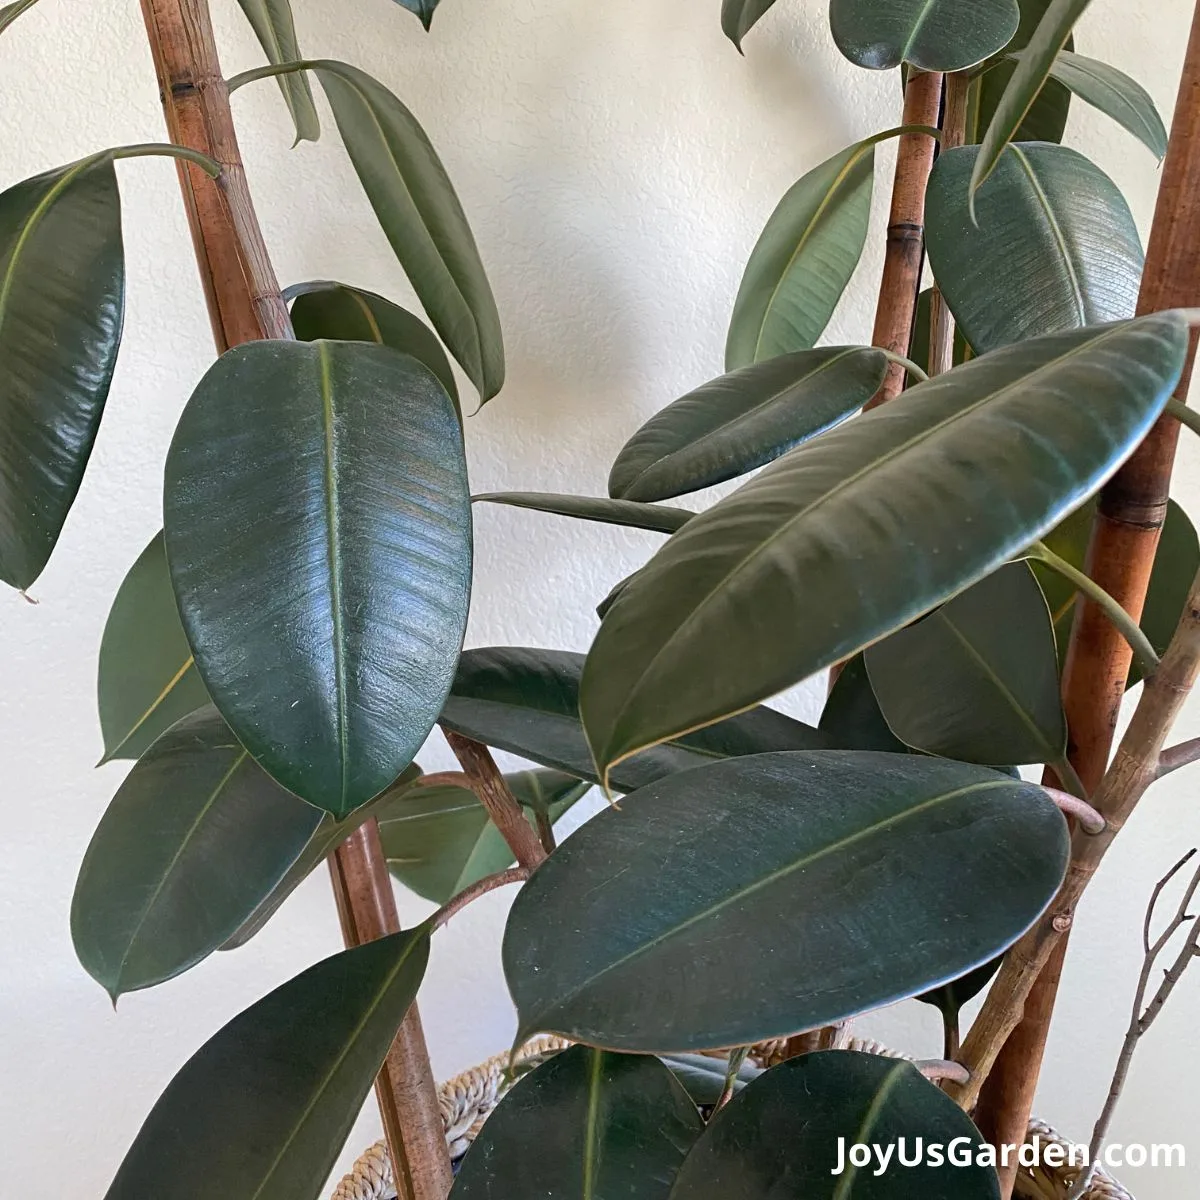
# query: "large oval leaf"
{"type": "Point", "coordinates": [342, 313]}
{"type": "Point", "coordinates": [62, 300]}
{"type": "Point", "coordinates": [738, 17]}
{"type": "Point", "coordinates": [318, 534]}
{"type": "Point", "coordinates": [1056, 246]}
{"type": "Point", "coordinates": [871, 876]}
{"type": "Point", "coordinates": [788, 1134]}
{"type": "Point", "coordinates": [852, 717]}
{"type": "Point", "coordinates": [147, 679]}
{"type": "Point", "coordinates": [276, 32]}
{"type": "Point", "coordinates": [862, 530]}
{"type": "Point", "coordinates": [262, 1109]}
{"type": "Point", "coordinates": [803, 260]}
{"type": "Point", "coordinates": [932, 35]}
{"type": "Point", "coordinates": [195, 838]}
{"type": "Point", "coordinates": [603, 1124]}
{"type": "Point", "coordinates": [526, 701]}
{"type": "Point", "coordinates": [421, 215]}
{"type": "Point", "coordinates": [744, 419]}
{"type": "Point", "coordinates": [658, 518]}
{"type": "Point", "coordinates": [977, 680]}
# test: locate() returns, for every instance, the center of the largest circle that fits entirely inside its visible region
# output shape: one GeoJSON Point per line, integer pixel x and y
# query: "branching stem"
{"type": "Point", "coordinates": [481, 887]}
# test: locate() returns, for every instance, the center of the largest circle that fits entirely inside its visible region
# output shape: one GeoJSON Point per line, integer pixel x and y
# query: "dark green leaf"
{"type": "Point", "coordinates": [703, 1076]}
{"type": "Point", "coordinates": [343, 313]}
{"type": "Point", "coordinates": [417, 207]}
{"type": "Point", "coordinates": [1056, 247]}
{"type": "Point", "coordinates": [62, 300]}
{"type": "Point", "coordinates": [147, 680]}
{"type": "Point", "coordinates": [919, 349]}
{"type": "Point", "coordinates": [745, 419]}
{"type": "Point", "coordinates": [851, 715]}
{"type": "Point", "coordinates": [859, 532]}
{"type": "Point", "coordinates": [276, 31]}
{"type": "Point", "coordinates": [262, 1109]}
{"type": "Point", "coordinates": [894, 874]}
{"type": "Point", "coordinates": [10, 12]}
{"type": "Point", "coordinates": [318, 533]}
{"type": "Point", "coordinates": [787, 1135]}
{"type": "Point", "coordinates": [977, 679]}
{"type": "Point", "coordinates": [738, 17]}
{"type": "Point", "coordinates": [950, 998]}
{"type": "Point", "coordinates": [421, 9]}
{"type": "Point", "coordinates": [932, 35]}
{"type": "Point", "coordinates": [803, 260]}
{"type": "Point", "coordinates": [587, 1123]}
{"type": "Point", "coordinates": [658, 518]}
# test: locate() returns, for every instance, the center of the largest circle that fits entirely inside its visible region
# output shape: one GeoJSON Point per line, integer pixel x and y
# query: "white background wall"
{"type": "Point", "coordinates": [617, 161]}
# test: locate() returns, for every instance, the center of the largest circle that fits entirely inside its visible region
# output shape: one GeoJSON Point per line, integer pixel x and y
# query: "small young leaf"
{"type": "Point", "coordinates": [421, 9]}
{"type": "Point", "coordinates": [276, 32]}
{"type": "Point", "coordinates": [10, 12]}
{"type": "Point", "coordinates": [657, 518]}
{"type": "Point", "coordinates": [738, 17]}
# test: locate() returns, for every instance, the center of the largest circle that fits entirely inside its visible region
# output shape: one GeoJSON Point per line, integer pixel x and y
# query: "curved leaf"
{"type": "Point", "coordinates": [932, 35]}
{"type": "Point", "coordinates": [1056, 246]}
{"type": "Point", "coordinates": [261, 1110]}
{"type": "Point", "coordinates": [788, 1133]}
{"type": "Point", "coordinates": [744, 419]}
{"type": "Point", "coordinates": [658, 518]}
{"type": "Point", "coordinates": [195, 838]}
{"type": "Point", "coordinates": [738, 17]}
{"type": "Point", "coordinates": [421, 9]}
{"type": "Point", "coordinates": [339, 312]}
{"type": "Point", "coordinates": [862, 530]}
{"type": "Point", "coordinates": [62, 300]}
{"type": "Point", "coordinates": [603, 1125]}
{"type": "Point", "coordinates": [851, 716]}
{"type": "Point", "coordinates": [803, 260]}
{"type": "Point", "coordinates": [318, 533]}
{"type": "Point", "coordinates": [276, 32]}
{"type": "Point", "coordinates": [871, 876]}
{"type": "Point", "coordinates": [417, 207]}
{"type": "Point", "coordinates": [977, 680]}
{"type": "Point", "coordinates": [147, 679]}
{"type": "Point", "coordinates": [950, 998]}
{"type": "Point", "coordinates": [10, 12]}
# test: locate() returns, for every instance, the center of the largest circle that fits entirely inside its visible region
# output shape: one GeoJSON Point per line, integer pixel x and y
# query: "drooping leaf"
{"type": "Point", "coordinates": [322, 309]}
{"type": "Point", "coordinates": [421, 9]}
{"type": "Point", "coordinates": [738, 17]}
{"type": "Point", "coordinates": [147, 680]}
{"type": "Point", "coordinates": [862, 530]}
{"type": "Point", "coordinates": [318, 533]}
{"type": "Point", "coordinates": [526, 701]}
{"type": "Point", "coordinates": [803, 260]}
{"type": "Point", "coordinates": [851, 716]}
{"type": "Point", "coordinates": [871, 876]}
{"type": "Point", "coordinates": [658, 518]}
{"type": "Point", "coordinates": [438, 838]}
{"type": "Point", "coordinates": [744, 419]}
{"type": "Point", "coordinates": [977, 679]}
{"type": "Point", "coordinates": [10, 12]}
{"type": "Point", "coordinates": [932, 35]}
{"type": "Point", "coordinates": [276, 32]}
{"type": "Point", "coordinates": [787, 1135]}
{"type": "Point", "coordinates": [195, 838]}
{"type": "Point", "coordinates": [421, 215]}
{"type": "Point", "coordinates": [950, 998]}
{"type": "Point", "coordinates": [62, 300]}
{"type": "Point", "coordinates": [261, 1110]}
{"type": "Point", "coordinates": [703, 1077]}
{"type": "Point", "coordinates": [604, 1125]}
{"type": "Point", "coordinates": [1056, 246]}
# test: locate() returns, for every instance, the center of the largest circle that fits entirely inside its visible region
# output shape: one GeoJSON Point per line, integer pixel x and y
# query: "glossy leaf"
{"type": "Point", "coordinates": [342, 313]}
{"type": "Point", "coordinates": [1056, 247]}
{"type": "Point", "coordinates": [932, 35]}
{"type": "Point", "coordinates": [526, 701]}
{"type": "Point", "coordinates": [658, 518]}
{"type": "Point", "coordinates": [703, 1077]}
{"type": "Point", "coordinates": [421, 9]}
{"type": "Point", "coordinates": [745, 419]}
{"type": "Point", "coordinates": [977, 679]}
{"type": "Point", "coordinates": [950, 998]}
{"type": "Point", "coordinates": [276, 32]}
{"type": "Point", "coordinates": [262, 1109]}
{"type": "Point", "coordinates": [851, 716]}
{"type": "Point", "coordinates": [859, 532]}
{"type": "Point", "coordinates": [439, 840]}
{"type": "Point", "coordinates": [787, 1135]}
{"type": "Point", "coordinates": [738, 17]}
{"type": "Point", "coordinates": [894, 874]}
{"type": "Point", "coordinates": [147, 679]}
{"type": "Point", "coordinates": [318, 533]}
{"type": "Point", "coordinates": [62, 300]}
{"type": "Point", "coordinates": [195, 838]}
{"type": "Point", "coordinates": [417, 207]}
{"type": "Point", "coordinates": [803, 260]}
{"type": "Point", "coordinates": [10, 12]}
{"type": "Point", "coordinates": [603, 1125]}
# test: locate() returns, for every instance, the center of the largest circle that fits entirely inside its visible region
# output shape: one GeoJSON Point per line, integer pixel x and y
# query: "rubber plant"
{"type": "Point", "coordinates": [278, 654]}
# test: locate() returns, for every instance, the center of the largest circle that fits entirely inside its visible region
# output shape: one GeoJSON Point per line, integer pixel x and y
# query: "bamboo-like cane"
{"type": "Point", "coordinates": [1124, 539]}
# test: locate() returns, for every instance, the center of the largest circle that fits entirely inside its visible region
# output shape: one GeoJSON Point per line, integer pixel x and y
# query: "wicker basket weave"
{"type": "Point", "coordinates": [467, 1100]}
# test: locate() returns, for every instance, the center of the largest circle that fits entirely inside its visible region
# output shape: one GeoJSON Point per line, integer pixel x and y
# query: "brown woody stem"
{"type": "Point", "coordinates": [481, 887]}
{"type": "Point", "coordinates": [1175, 757]}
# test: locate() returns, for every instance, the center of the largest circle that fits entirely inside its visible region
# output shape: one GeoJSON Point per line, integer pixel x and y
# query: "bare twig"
{"type": "Point", "coordinates": [1175, 757]}
{"type": "Point", "coordinates": [481, 887]}
{"type": "Point", "coordinates": [445, 779]}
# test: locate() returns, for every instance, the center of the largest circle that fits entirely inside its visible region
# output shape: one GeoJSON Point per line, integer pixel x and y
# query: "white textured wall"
{"type": "Point", "coordinates": [617, 161]}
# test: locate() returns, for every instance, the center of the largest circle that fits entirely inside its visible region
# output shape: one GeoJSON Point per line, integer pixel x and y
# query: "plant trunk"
{"type": "Point", "coordinates": [1129, 519]}
{"type": "Point", "coordinates": [244, 305]}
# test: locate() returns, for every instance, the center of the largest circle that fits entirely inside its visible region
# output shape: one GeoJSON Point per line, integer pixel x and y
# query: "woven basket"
{"type": "Point", "coordinates": [467, 1100]}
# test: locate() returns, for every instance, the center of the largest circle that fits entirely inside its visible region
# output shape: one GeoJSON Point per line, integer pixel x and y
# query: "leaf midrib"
{"type": "Point", "coordinates": [846, 1182]}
